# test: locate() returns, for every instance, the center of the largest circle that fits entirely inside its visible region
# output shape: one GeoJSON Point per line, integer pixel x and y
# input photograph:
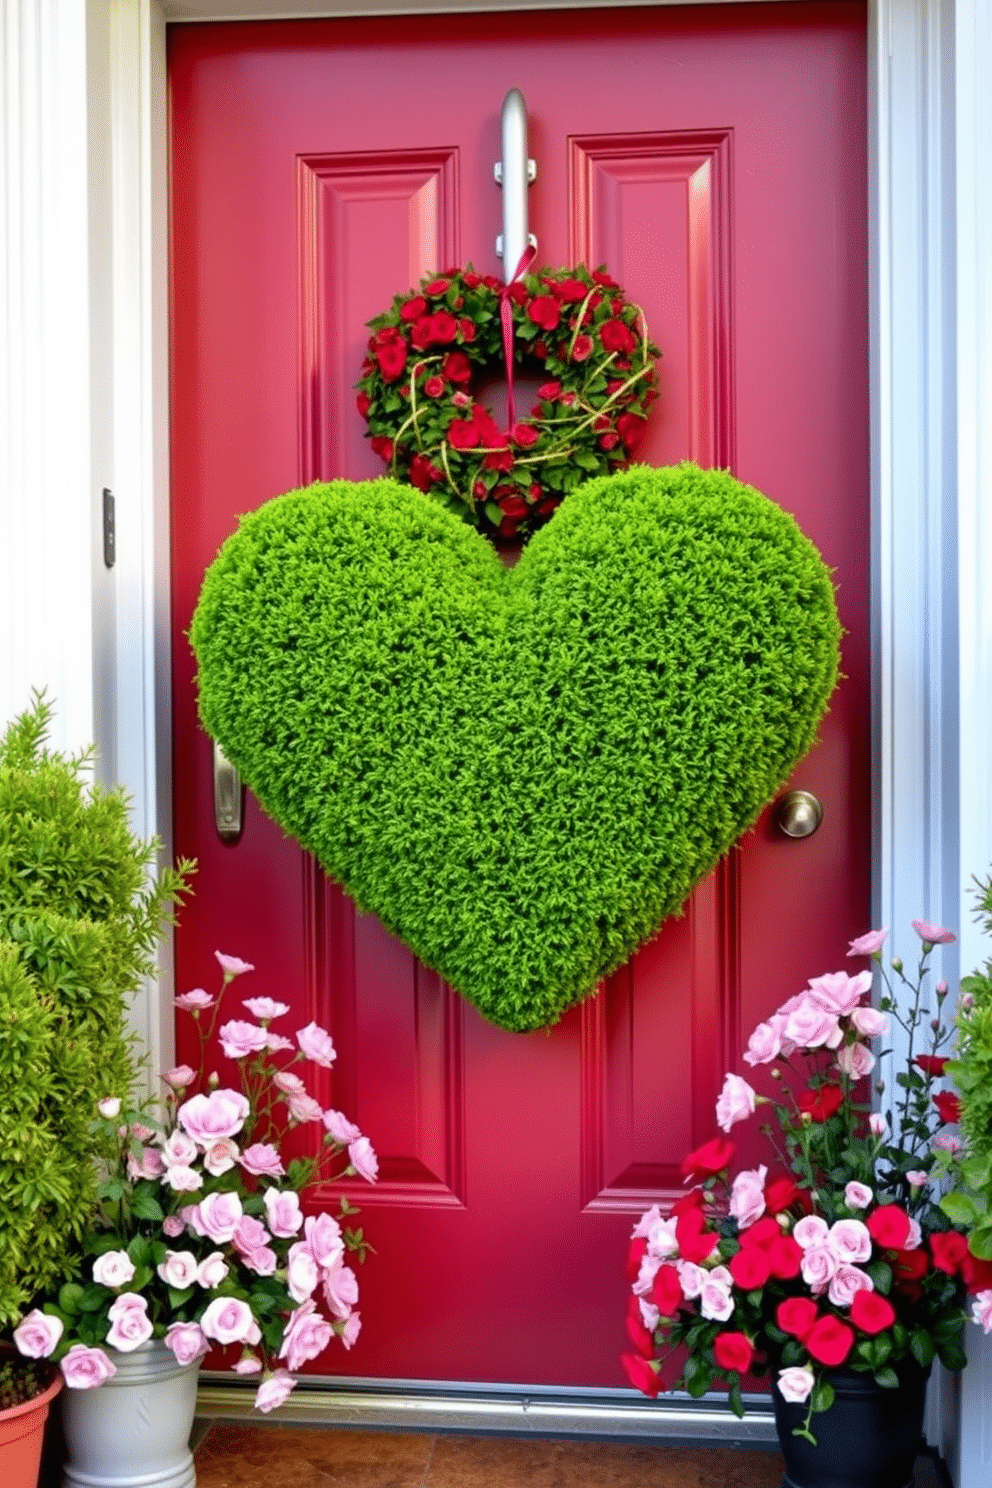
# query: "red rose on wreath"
{"type": "Point", "coordinates": [829, 1340]}
{"type": "Point", "coordinates": [889, 1226]}
{"type": "Point", "coordinates": [641, 1374]}
{"type": "Point", "coordinates": [733, 1351]}
{"type": "Point", "coordinates": [871, 1313]}
{"type": "Point", "coordinates": [708, 1160]}
{"type": "Point", "coordinates": [948, 1251]}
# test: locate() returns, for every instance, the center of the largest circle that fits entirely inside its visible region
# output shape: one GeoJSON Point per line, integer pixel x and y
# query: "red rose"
{"type": "Point", "coordinates": [571, 290]}
{"type": "Point", "coordinates": [784, 1257]}
{"type": "Point", "coordinates": [456, 367]}
{"type": "Point", "coordinates": [461, 400]}
{"type": "Point", "coordinates": [797, 1316]}
{"type": "Point", "coordinates": [501, 460]}
{"type": "Point", "coordinates": [631, 427]}
{"type": "Point", "coordinates": [641, 1374]}
{"type": "Point", "coordinates": [567, 400]}
{"type": "Point", "coordinates": [462, 434]}
{"type": "Point", "coordinates": [909, 1265]}
{"type": "Point", "coordinates": [385, 336]}
{"type": "Point", "coordinates": [763, 1232]}
{"type": "Point", "coordinates": [708, 1160]}
{"type": "Point", "coordinates": [602, 423]}
{"type": "Point", "coordinates": [638, 1334]}
{"type": "Point", "coordinates": [667, 1293]}
{"type": "Point", "coordinates": [694, 1199]}
{"type": "Point", "coordinates": [491, 282]}
{"type": "Point", "coordinates": [977, 1274]}
{"type": "Point", "coordinates": [871, 1312]}
{"type": "Point", "coordinates": [608, 441]}
{"type": "Point", "coordinates": [467, 328]}
{"type": "Point", "coordinates": [948, 1105]}
{"type": "Point", "coordinates": [362, 402]}
{"type": "Point", "coordinates": [888, 1226]}
{"type": "Point", "coordinates": [781, 1193]}
{"type": "Point", "coordinates": [479, 490]}
{"type": "Point", "coordinates": [544, 311]}
{"type": "Point", "coordinates": [750, 1268]}
{"type": "Point", "coordinates": [638, 1246]}
{"type": "Point", "coordinates": [604, 280]}
{"type": "Point", "coordinates": [436, 287]}
{"type": "Point", "coordinates": [616, 336]}
{"type": "Point", "coordinates": [525, 435]}
{"type": "Point", "coordinates": [392, 360]}
{"type": "Point", "coordinates": [382, 446]}
{"type": "Point", "coordinates": [582, 348]}
{"type": "Point", "coordinates": [733, 1351]}
{"type": "Point", "coordinates": [613, 387]}
{"type": "Point", "coordinates": [434, 387]}
{"type": "Point", "coordinates": [413, 309]}
{"type": "Point", "coordinates": [508, 527]}
{"type": "Point", "coordinates": [948, 1250]}
{"type": "Point", "coordinates": [471, 281]}
{"type": "Point", "coordinates": [829, 1340]}
{"type": "Point", "coordinates": [422, 334]}
{"type": "Point", "coordinates": [696, 1243]}
{"type": "Point", "coordinates": [444, 328]}
{"type": "Point", "coordinates": [549, 391]}
{"type": "Point", "coordinates": [548, 505]}
{"type": "Point", "coordinates": [423, 474]}
{"type": "Point", "coordinates": [930, 1064]}
{"type": "Point", "coordinates": [489, 431]}
{"type": "Point", "coordinates": [823, 1103]}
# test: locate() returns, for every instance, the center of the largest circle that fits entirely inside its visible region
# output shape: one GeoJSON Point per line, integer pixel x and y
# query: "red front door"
{"type": "Point", "coordinates": [715, 159]}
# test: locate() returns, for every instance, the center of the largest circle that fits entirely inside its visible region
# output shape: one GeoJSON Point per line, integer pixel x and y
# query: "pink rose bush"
{"type": "Point", "coordinates": [203, 1239]}
{"type": "Point", "coordinates": [842, 1254]}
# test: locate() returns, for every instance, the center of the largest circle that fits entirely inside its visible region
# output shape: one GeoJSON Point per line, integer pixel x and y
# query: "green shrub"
{"type": "Point", "coordinates": [971, 1071]}
{"type": "Point", "coordinates": [521, 771]}
{"type": "Point", "coordinates": [79, 921]}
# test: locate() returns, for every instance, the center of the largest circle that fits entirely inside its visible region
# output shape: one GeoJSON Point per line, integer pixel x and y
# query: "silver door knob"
{"type": "Point", "coordinates": [798, 814]}
{"type": "Point", "coordinates": [229, 798]}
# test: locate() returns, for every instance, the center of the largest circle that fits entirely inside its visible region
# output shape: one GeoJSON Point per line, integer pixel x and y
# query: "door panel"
{"type": "Point", "coordinates": [715, 159]}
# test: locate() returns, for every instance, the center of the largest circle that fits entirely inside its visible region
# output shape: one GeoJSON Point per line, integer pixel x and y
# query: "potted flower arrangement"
{"type": "Point", "coordinates": [838, 1271]}
{"type": "Point", "coordinates": [200, 1239]}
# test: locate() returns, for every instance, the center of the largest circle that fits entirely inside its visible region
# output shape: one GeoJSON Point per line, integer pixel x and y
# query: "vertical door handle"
{"type": "Point", "coordinates": [229, 798]}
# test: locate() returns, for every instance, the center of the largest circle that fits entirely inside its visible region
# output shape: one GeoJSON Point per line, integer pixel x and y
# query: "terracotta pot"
{"type": "Point", "coordinates": [22, 1428]}
{"type": "Point", "coordinates": [869, 1438]}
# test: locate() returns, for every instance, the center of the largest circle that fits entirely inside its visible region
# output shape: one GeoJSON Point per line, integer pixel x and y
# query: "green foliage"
{"type": "Point", "coordinates": [521, 771]}
{"type": "Point", "coordinates": [971, 1071]}
{"type": "Point", "coordinates": [79, 919]}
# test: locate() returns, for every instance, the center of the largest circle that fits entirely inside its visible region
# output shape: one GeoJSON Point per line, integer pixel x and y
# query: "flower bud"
{"type": "Point", "coordinates": [213, 1080]}
{"type": "Point", "coordinates": [776, 1074]}
{"type": "Point", "coordinates": [967, 1001]}
{"type": "Point", "coordinates": [935, 1024]}
{"type": "Point", "coordinates": [880, 1086]}
{"type": "Point", "coordinates": [896, 963]}
{"type": "Point", "coordinates": [941, 991]}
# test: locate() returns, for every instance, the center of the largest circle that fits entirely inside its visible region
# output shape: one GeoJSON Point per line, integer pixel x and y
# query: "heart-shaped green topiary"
{"type": "Point", "coordinates": [520, 771]}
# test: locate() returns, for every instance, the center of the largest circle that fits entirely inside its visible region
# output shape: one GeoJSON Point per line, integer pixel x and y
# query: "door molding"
{"type": "Point", "coordinates": [83, 135]}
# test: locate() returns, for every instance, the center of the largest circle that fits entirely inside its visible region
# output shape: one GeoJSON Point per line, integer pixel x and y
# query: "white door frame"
{"type": "Point", "coordinates": [84, 401]}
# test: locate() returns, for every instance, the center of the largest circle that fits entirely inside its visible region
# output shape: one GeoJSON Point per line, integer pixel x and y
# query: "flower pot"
{"type": "Point", "coordinates": [22, 1428]}
{"type": "Point", "coordinates": [133, 1432]}
{"type": "Point", "coordinates": [869, 1438]}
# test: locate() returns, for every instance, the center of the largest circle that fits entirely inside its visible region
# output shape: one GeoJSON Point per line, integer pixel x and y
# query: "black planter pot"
{"type": "Point", "coordinates": [868, 1439]}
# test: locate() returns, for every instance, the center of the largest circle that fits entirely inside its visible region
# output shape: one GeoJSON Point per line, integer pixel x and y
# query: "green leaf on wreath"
{"type": "Point", "coordinates": [70, 1298]}
{"type": "Point", "coordinates": [922, 1347]}
{"type": "Point", "coordinates": [823, 1396]}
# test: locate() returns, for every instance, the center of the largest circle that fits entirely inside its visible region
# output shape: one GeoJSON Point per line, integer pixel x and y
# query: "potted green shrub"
{"type": "Point", "coordinates": [81, 912]}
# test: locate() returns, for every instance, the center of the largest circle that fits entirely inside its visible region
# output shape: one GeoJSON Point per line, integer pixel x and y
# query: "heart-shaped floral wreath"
{"type": "Point", "coordinates": [574, 326]}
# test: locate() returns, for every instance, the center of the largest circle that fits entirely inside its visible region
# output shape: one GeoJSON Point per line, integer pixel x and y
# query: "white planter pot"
{"type": "Point", "coordinates": [133, 1432]}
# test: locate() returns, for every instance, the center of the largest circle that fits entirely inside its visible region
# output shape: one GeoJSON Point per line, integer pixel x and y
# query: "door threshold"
{"type": "Point", "coordinates": [497, 1410]}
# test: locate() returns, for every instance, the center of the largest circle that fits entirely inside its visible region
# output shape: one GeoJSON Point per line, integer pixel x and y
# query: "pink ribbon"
{"type": "Point", "coordinates": [506, 321]}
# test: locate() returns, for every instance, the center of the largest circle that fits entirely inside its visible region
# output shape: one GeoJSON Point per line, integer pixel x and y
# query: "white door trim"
{"type": "Point", "coordinates": [83, 405]}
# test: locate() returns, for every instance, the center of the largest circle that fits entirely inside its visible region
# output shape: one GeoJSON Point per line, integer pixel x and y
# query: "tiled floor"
{"type": "Point", "coordinates": [235, 1456]}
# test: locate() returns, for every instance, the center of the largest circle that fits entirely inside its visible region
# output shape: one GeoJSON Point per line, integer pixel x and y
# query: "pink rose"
{"type": "Point", "coordinates": [262, 1261]}
{"type": "Point", "coordinates": [109, 1107]}
{"type": "Point", "coordinates": [810, 1026]}
{"type": "Point", "coordinates": [196, 1001]}
{"type": "Point", "coordinates": [250, 1235]}
{"type": "Point", "coordinates": [715, 1301]}
{"type": "Point", "coordinates": [867, 945]}
{"type": "Point", "coordinates": [150, 1164]}
{"type": "Point", "coordinates": [850, 1241]}
{"type": "Point", "coordinates": [282, 1211]}
{"type": "Point", "coordinates": [178, 1270]}
{"type": "Point", "coordinates": [914, 1239]}
{"type": "Point", "coordinates": [350, 1330]}
{"type": "Point", "coordinates": [307, 1335]}
{"type": "Point", "coordinates": [819, 1266]}
{"type": "Point", "coordinates": [179, 1077]}
{"type": "Point", "coordinates": [264, 1008]}
{"type": "Point", "coordinates": [736, 1102]}
{"type": "Point", "coordinates": [315, 1043]}
{"type": "Point", "coordinates": [363, 1159]}
{"type": "Point", "coordinates": [649, 1268]}
{"type": "Point", "coordinates": [856, 1060]}
{"type": "Point", "coordinates": [273, 1391]}
{"type": "Point", "coordinates": [643, 1225]}
{"type": "Point", "coordinates": [877, 1124]}
{"type": "Point", "coordinates": [186, 1341]}
{"type": "Point", "coordinates": [796, 1384]}
{"type": "Point", "coordinates": [846, 1282]}
{"type": "Point", "coordinates": [289, 1083]}
{"type": "Point", "coordinates": [917, 1178]}
{"type": "Point", "coordinates": [838, 993]}
{"type": "Point", "coordinates": [692, 1278]}
{"type": "Point", "coordinates": [858, 1195]}
{"type": "Point", "coordinates": [765, 1043]}
{"type": "Point", "coordinates": [222, 1113]}
{"type": "Point", "coordinates": [948, 1142]}
{"type": "Point", "coordinates": [933, 934]}
{"type": "Point", "coordinates": [650, 1314]}
{"type": "Point", "coordinates": [341, 1129]}
{"type": "Point", "coordinates": [981, 1310]}
{"type": "Point", "coordinates": [179, 1150]}
{"type": "Point", "coordinates": [113, 1269]}
{"type": "Point", "coordinates": [182, 1179]}
{"type": "Point", "coordinates": [232, 966]}
{"type": "Point", "coordinates": [248, 1364]}
{"type": "Point", "coordinates": [218, 1216]}
{"type": "Point", "coordinates": [869, 1022]}
{"type": "Point", "coordinates": [239, 1039]}
{"type": "Point", "coordinates": [301, 1272]}
{"type": "Point", "coordinates": [303, 1108]}
{"type": "Point", "coordinates": [130, 1324]}
{"type": "Point", "coordinates": [810, 1230]}
{"type": "Point", "coordinates": [323, 1238]}
{"type": "Point", "coordinates": [275, 1043]}
{"type": "Point", "coordinates": [211, 1271]}
{"type": "Point", "coordinates": [37, 1334]}
{"type": "Point", "coordinates": [662, 1238]}
{"type": "Point", "coordinates": [747, 1197]}
{"type": "Point", "coordinates": [221, 1156]}
{"type": "Point", "coordinates": [340, 1290]}
{"type": "Point", "coordinates": [262, 1158]}
{"type": "Point", "coordinates": [86, 1368]}
{"type": "Point", "coordinates": [227, 1320]}
{"type": "Point", "coordinates": [173, 1226]}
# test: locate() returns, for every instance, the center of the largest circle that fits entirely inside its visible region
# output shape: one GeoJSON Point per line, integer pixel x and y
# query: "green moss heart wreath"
{"type": "Point", "coordinates": [573, 326]}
